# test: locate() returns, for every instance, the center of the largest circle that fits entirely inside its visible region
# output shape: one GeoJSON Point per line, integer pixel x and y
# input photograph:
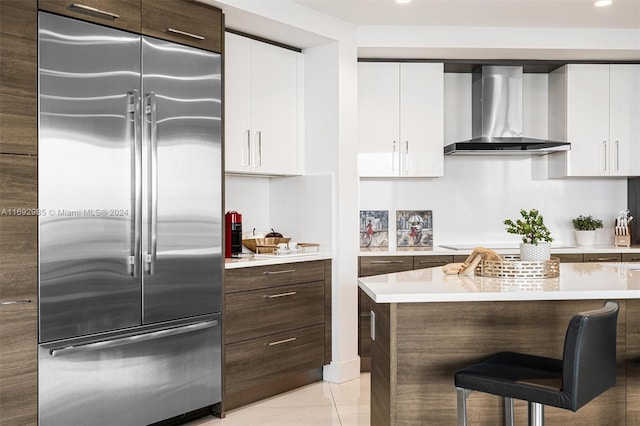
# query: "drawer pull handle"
{"type": "Point", "coordinates": [94, 10]}
{"type": "Point", "coordinates": [603, 259]}
{"type": "Point", "coordinates": [16, 302]}
{"type": "Point", "coordinates": [273, 296]}
{"type": "Point", "coordinates": [286, 271]}
{"type": "Point", "coordinates": [386, 262]}
{"type": "Point", "coordinates": [184, 33]}
{"type": "Point", "coordinates": [279, 342]}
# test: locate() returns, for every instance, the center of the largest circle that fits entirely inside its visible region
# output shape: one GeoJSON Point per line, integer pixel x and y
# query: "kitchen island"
{"type": "Point", "coordinates": [427, 325]}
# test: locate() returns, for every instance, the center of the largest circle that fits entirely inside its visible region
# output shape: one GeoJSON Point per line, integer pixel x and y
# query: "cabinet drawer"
{"type": "Point", "coordinates": [569, 257]}
{"type": "Point", "coordinates": [258, 361]}
{"type": "Point", "coordinates": [183, 21]}
{"type": "Point", "coordinates": [602, 257]}
{"type": "Point", "coordinates": [251, 314]}
{"type": "Point", "coordinates": [122, 14]}
{"type": "Point", "coordinates": [384, 265]}
{"type": "Point", "coordinates": [631, 257]}
{"type": "Point", "coordinates": [421, 262]}
{"type": "Point", "coordinates": [253, 278]}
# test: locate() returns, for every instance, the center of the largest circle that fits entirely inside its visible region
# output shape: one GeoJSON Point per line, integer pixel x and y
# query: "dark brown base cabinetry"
{"type": "Point", "coordinates": [376, 265]}
{"type": "Point", "coordinates": [277, 329]}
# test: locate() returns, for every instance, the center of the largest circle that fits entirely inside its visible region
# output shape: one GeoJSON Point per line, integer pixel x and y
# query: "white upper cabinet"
{"type": "Point", "coordinates": [263, 85]}
{"type": "Point", "coordinates": [596, 108]}
{"type": "Point", "coordinates": [400, 119]}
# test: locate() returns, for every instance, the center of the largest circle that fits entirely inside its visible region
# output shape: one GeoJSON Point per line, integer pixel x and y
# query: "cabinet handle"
{"type": "Point", "coordinates": [285, 271]}
{"type": "Point", "coordinates": [94, 10]}
{"type": "Point", "coordinates": [184, 33]}
{"type": "Point", "coordinates": [617, 155]}
{"type": "Point", "coordinates": [273, 296]}
{"type": "Point", "coordinates": [603, 259]}
{"type": "Point", "coordinates": [393, 157]}
{"type": "Point", "coordinates": [16, 302]}
{"type": "Point", "coordinates": [258, 154]}
{"type": "Point", "coordinates": [246, 149]}
{"type": "Point", "coordinates": [406, 157]}
{"type": "Point", "coordinates": [279, 342]}
{"type": "Point", "coordinates": [386, 262]}
{"type": "Point", "coordinates": [604, 156]}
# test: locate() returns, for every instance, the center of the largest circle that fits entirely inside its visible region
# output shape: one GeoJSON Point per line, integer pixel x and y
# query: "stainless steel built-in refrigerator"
{"type": "Point", "coordinates": [129, 226]}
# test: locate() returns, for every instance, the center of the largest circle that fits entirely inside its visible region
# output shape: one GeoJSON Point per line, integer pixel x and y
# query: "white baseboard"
{"type": "Point", "coordinates": [343, 371]}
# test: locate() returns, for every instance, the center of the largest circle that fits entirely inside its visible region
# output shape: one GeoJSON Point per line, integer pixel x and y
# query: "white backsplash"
{"type": "Point", "coordinates": [477, 193]}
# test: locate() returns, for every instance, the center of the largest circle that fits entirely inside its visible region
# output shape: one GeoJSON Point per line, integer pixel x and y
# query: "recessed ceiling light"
{"type": "Point", "coordinates": [601, 3]}
{"type": "Point", "coordinates": [403, 1]}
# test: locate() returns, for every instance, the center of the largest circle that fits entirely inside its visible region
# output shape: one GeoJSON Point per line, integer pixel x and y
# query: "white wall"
{"type": "Point", "coordinates": [477, 193]}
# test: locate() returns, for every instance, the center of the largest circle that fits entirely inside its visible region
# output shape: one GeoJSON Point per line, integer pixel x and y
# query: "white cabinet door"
{"type": "Point", "coordinates": [588, 119]}
{"type": "Point", "coordinates": [421, 119]}
{"type": "Point", "coordinates": [237, 84]}
{"type": "Point", "coordinates": [378, 119]}
{"type": "Point", "coordinates": [624, 106]}
{"type": "Point", "coordinates": [274, 109]}
{"type": "Point", "coordinates": [401, 119]}
{"type": "Point", "coordinates": [595, 107]}
{"type": "Point", "coordinates": [262, 95]}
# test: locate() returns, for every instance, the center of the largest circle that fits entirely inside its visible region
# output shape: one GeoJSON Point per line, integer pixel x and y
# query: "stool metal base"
{"type": "Point", "coordinates": [536, 410]}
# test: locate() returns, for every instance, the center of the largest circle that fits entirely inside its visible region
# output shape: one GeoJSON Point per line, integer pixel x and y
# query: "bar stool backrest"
{"type": "Point", "coordinates": [589, 360]}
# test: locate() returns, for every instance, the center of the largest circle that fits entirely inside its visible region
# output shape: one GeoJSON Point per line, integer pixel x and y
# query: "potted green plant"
{"type": "Point", "coordinates": [536, 237]}
{"type": "Point", "coordinates": [585, 229]}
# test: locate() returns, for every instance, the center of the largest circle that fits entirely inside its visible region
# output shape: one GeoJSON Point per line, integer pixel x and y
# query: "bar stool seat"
{"type": "Point", "coordinates": [588, 368]}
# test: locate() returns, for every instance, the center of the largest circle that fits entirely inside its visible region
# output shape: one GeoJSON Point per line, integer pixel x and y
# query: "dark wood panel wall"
{"type": "Point", "coordinates": [18, 219]}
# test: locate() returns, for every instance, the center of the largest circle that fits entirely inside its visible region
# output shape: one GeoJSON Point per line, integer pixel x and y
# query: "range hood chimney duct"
{"type": "Point", "coordinates": [496, 117]}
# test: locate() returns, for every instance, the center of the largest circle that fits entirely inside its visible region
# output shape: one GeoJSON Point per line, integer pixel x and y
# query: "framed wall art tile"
{"type": "Point", "coordinates": [374, 230]}
{"type": "Point", "coordinates": [414, 229]}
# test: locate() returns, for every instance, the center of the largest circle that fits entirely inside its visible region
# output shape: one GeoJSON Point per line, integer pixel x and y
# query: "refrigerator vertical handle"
{"type": "Point", "coordinates": [133, 109]}
{"type": "Point", "coordinates": [152, 194]}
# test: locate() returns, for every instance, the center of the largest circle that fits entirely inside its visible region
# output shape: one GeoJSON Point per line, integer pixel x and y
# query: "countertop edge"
{"type": "Point", "coordinates": [451, 252]}
{"type": "Point", "coordinates": [250, 261]}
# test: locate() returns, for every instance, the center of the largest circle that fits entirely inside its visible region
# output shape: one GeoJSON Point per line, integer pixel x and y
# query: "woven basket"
{"type": "Point", "coordinates": [252, 243]}
{"type": "Point", "coordinates": [513, 267]}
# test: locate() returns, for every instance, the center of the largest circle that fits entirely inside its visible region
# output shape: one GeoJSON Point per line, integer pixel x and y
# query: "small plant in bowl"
{"type": "Point", "coordinates": [586, 223]}
{"type": "Point", "coordinates": [585, 227]}
{"type": "Point", "coordinates": [531, 227]}
{"type": "Point", "coordinates": [536, 237]}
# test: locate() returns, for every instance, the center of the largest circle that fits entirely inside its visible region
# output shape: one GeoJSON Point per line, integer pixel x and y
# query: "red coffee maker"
{"type": "Point", "coordinates": [233, 229]}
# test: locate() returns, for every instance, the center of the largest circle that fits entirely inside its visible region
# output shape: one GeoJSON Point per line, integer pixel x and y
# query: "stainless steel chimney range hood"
{"type": "Point", "coordinates": [496, 115]}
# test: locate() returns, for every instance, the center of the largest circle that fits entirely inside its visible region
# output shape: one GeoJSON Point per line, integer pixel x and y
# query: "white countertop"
{"type": "Point", "coordinates": [249, 260]}
{"type": "Point", "coordinates": [500, 249]}
{"type": "Point", "coordinates": [577, 281]}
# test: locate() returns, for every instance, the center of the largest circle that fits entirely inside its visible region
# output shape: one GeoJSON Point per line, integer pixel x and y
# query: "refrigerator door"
{"type": "Point", "coordinates": [182, 191]}
{"type": "Point", "coordinates": [89, 78]}
{"type": "Point", "coordinates": [131, 379]}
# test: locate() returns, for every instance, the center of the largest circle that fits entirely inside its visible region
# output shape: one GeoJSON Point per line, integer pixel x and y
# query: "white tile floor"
{"type": "Point", "coordinates": [318, 404]}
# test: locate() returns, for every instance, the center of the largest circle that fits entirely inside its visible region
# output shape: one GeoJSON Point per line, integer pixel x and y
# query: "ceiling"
{"type": "Point", "coordinates": [622, 14]}
{"type": "Point", "coordinates": [452, 19]}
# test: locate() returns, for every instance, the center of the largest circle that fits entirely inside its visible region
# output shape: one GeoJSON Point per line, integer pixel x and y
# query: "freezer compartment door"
{"type": "Point", "coordinates": [90, 278]}
{"type": "Point", "coordinates": [182, 195]}
{"type": "Point", "coordinates": [131, 379]}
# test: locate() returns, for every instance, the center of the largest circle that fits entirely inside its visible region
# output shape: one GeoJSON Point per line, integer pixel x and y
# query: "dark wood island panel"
{"type": "Point", "coordinates": [419, 346]}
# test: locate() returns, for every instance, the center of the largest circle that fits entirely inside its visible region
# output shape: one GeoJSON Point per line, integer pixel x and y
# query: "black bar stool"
{"type": "Point", "coordinates": [587, 369]}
